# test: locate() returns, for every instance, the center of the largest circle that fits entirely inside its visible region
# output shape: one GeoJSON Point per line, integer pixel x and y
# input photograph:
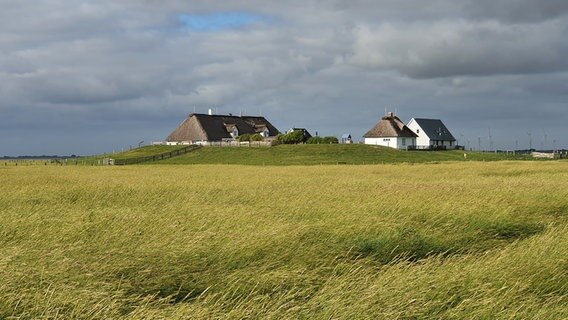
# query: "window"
{"type": "Point", "coordinates": [403, 141]}
{"type": "Point", "coordinates": [385, 140]}
{"type": "Point", "coordinates": [417, 130]}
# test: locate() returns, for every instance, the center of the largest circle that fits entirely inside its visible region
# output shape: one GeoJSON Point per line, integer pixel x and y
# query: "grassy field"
{"type": "Point", "coordinates": [453, 240]}
{"type": "Point", "coordinates": [326, 154]}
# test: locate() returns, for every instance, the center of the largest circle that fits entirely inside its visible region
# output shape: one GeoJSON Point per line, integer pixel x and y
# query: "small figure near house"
{"type": "Point", "coordinates": [465, 155]}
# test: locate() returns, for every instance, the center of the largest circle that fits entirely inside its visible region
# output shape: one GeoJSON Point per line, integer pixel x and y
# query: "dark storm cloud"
{"type": "Point", "coordinates": [517, 11]}
{"type": "Point", "coordinates": [457, 48]}
{"type": "Point", "coordinates": [112, 72]}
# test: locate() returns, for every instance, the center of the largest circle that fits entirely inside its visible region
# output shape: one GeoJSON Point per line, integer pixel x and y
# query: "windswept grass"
{"type": "Point", "coordinates": [424, 241]}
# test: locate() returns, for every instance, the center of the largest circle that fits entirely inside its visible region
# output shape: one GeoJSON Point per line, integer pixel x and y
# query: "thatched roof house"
{"type": "Point", "coordinates": [390, 126]}
{"type": "Point", "coordinates": [390, 131]}
{"type": "Point", "coordinates": [198, 128]}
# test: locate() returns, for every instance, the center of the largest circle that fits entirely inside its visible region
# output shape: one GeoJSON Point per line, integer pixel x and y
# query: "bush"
{"type": "Point", "coordinates": [280, 138]}
{"type": "Point", "coordinates": [256, 137]}
{"type": "Point", "coordinates": [244, 137]}
{"type": "Point", "coordinates": [315, 140]}
{"type": "Point", "coordinates": [322, 140]}
{"type": "Point", "coordinates": [294, 137]}
{"type": "Point", "coordinates": [330, 140]}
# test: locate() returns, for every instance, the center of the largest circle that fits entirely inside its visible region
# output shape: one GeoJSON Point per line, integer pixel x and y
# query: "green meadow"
{"type": "Point", "coordinates": [435, 240]}
{"type": "Point", "coordinates": [309, 154]}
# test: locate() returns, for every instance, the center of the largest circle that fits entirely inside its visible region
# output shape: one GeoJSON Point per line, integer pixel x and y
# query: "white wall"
{"type": "Point", "coordinates": [403, 143]}
{"type": "Point", "coordinates": [393, 142]}
{"type": "Point", "coordinates": [422, 140]}
{"type": "Point", "coordinates": [387, 142]}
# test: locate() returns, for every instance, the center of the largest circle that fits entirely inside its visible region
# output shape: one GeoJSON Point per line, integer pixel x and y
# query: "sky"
{"type": "Point", "coordinates": [87, 77]}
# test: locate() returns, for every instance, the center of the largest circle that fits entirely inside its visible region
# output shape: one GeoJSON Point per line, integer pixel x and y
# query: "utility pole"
{"type": "Point", "coordinates": [479, 143]}
{"type": "Point", "coordinates": [529, 134]}
{"type": "Point", "coordinates": [490, 140]}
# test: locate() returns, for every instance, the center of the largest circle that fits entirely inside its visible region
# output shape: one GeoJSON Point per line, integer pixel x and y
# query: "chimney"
{"type": "Point", "coordinates": [390, 114]}
{"type": "Point", "coordinates": [210, 112]}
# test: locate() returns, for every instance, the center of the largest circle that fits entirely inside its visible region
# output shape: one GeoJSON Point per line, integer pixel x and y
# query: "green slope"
{"type": "Point", "coordinates": [145, 151]}
{"type": "Point", "coordinates": [325, 154]}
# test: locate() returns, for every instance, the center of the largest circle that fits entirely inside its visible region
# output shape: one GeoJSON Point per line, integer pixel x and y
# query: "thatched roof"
{"type": "Point", "coordinates": [390, 126]}
{"type": "Point", "coordinates": [204, 127]}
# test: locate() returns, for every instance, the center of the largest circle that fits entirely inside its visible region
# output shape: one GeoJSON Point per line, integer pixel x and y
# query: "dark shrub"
{"type": "Point", "coordinates": [315, 140]}
{"type": "Point", "coordinates": [330, 140]}
{"type": "Point", "coordinates": [256, 137]}
{"type": "Point", "coordinates": [244, 137]}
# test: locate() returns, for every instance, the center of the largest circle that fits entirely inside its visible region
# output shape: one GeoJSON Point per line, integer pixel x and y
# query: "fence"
{"type": "Point", "coordinates": [426, 148]}
{"type": "Point", "coordinates": [237, 144]}
{"type": "Point", "coordinates": [156, 157]}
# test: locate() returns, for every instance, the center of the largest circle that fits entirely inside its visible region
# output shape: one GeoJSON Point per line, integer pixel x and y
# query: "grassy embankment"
{"type": "Point", "coordinates": [283, 155]}
{"type": "Point", "coordinates": [450, 240]}
{"type": "Point", "coordinates": [327, 154]}
{"type": "Point", "coordinates": [141, 152]}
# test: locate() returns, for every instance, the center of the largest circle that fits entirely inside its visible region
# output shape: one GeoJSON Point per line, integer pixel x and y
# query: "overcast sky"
{"type": "Point", "coordinates": [85, 77]}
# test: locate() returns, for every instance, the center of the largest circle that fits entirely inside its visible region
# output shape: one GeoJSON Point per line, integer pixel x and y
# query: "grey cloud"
{"type": "Point", "coordinates": [517, 11]}
{"type": "Point", "coordinates": [458, 48]}
{"type": "Point", "coordinates": [116, 72]}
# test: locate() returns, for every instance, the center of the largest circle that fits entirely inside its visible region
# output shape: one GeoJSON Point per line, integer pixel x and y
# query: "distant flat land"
{"type": "Point", "coordinates": [436, 240]}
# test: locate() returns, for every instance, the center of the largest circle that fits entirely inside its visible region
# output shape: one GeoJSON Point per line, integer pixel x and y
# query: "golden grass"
{"type": "Point", "coordinates": [452, 240]}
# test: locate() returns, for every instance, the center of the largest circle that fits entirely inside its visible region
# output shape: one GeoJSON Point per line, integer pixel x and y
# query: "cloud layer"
{"type": "Point", "coordinates": [87, 77]}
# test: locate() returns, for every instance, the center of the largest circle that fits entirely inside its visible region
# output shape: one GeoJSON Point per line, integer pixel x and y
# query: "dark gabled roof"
{"type": "Point", "coordinates": [435, 129]}
{"type": "Point", "coordinates": [305, 131]}
{"type": "Point", "coordinates": [389, 126]}
{"type": "Point", "coordinates": [204, 127]}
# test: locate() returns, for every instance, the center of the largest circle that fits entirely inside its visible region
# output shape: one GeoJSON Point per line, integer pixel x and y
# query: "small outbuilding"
{"type": "Point", "coordinates": [346, 139]}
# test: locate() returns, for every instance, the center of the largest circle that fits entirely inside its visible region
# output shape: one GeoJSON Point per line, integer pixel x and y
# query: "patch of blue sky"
{"type": "Point", "coordinates": [218, 21]}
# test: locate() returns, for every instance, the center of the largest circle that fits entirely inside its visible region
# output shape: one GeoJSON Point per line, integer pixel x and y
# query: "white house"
{"type": "Point", "coordinates": [390, 131]}
{"type": "Point", "coordinates": [432, 134]}
{"type": "Point", "coordinates": [346, 139]}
